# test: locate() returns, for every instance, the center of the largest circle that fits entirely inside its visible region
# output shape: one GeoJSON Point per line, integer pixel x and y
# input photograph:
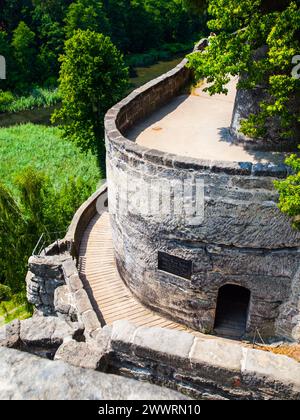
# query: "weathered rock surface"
{"type": "Point", "coordinates": [27, 377]}
{"type": "Point", "coordinates": [204, 368]}
{"type": "Point", "coordinates": [243, 239]}
{"type": "Point", "coordinates": [64, 302]}
{"type": "Point", "coordinates": [248, 102]}
{"type": "Point", "coordinates": [82, 355]}
{"type": "Point", "coordinates": [10, 335]}
{"type": "Point", "coordinates": [48, 331]}
{"type": "Point", "coordinates": [44, 276]}
{"type": "Point", "coordinates": [40, 335]}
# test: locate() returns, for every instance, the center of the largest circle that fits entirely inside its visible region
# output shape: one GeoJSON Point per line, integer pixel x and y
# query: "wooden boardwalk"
{"type": "Point", "coordinates": [111, 299]}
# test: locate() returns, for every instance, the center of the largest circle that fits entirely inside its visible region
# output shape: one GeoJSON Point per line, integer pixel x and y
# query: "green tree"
{"type": "Point", "coordinates": [141, 30]}
{"type": "Point", "coordinates": [257, 40]}
{"type": "Point", "coordinates": [12, 12]}
{"type": "Point", "coordinates": [24, 51]}
{"type": "Point", "coordinates": [86, 14]}
{"type": "Point", "coordinates": [55, 9]}
{"type": "Point", "coordinates": [289, 191]}
{"type": "Point", "coordinates": [117, 12]}
{"type": "Point", "coordinates": [196, 5]}
{"type": "Point", "coordinates": [93, 77]}
{"type": "Point", "coordinates": [51, 38]}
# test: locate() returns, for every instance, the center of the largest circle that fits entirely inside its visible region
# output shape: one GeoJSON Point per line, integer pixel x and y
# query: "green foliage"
{"type": "Point", "coordinates": [23, 44]}
{"type": "Point", "coordinates": [5, 293]}
{"type": "Point", "coordinates": [244, 28]}
{"type": "Point", "coordinates": [33, 32]}
{"type": "Point", "coordinates": [289, 191]}
{"type": "Point", "coordinates": [93, 77]}
{"type": "Point", "coordinates": [55, 9]}
{"type": "Point", "coordinates": [12, 12]}
{"type": "Point", "coordinates": [36, 199]}
{"type": "Point", "coordinates": [165, 52]}
{"type": "Point", "coordinates": [52, 35]}
{"type": "Point", "coordinates": [16, 308]}
{"type": "Point", "coordinates": [86, 14]}
{"type": "Point", "coordinates": [37, 98]}
{"type": "Point", "coordinates": [196, 5]}
{"type": "Point", "coordinates": [45, 151]}
{"type": "Point", "coordinates": [6, 98]}
{"type": "Point", "coordinates": [6, 51]}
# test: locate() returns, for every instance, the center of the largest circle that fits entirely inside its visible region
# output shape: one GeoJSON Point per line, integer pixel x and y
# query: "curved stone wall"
{"type": "Point", "coordinates": [242, 238]}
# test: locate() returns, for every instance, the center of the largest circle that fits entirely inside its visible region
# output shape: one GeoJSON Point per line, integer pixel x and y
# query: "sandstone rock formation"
{"type": "Point", "coordinates": [27, 377]}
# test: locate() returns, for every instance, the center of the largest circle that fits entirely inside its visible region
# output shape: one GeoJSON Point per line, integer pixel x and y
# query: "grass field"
{"type": "Point", "coordinates": [13, 310]}
{"type": "Point", "coordinates": [42, 148]}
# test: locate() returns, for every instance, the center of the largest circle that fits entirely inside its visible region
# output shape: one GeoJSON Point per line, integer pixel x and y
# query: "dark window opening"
{"type": "Point", "coordinates": [232, 311]}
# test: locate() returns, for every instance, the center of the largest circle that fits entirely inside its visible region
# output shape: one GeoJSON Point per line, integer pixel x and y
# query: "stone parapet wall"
{"type": "Point", "coordinates": [54, 285]}
{"type": "Point", "coordinates": [243, 240]}
{"type": "Point", "coordinates": [202, 368]}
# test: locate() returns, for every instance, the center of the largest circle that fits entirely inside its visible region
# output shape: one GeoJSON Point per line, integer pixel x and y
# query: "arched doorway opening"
{"type": "Point", "coordinates": [232, 311]}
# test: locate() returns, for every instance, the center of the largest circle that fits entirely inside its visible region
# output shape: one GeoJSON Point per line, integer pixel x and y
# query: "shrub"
{"type": "Point", "coordinates": [6, 98]}
{"type": "Point", "coordinates": [5, 293]}
{"type": "Point", "coordinates": [289, 191]}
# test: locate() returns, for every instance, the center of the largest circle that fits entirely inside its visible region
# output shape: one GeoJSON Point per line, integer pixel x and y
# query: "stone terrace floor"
{"type": "Point", "coordinates": [197, 125]}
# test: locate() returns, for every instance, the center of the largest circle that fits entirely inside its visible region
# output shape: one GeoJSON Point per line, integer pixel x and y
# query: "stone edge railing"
{"type": "Point", "coordinates": [57, 267]}
{"type": "Point", "coordinates": [202, 367]}
{"type": "Point", "coordinates": [83, 216]}
{"type": "Point", "coordinates": [148, 98]}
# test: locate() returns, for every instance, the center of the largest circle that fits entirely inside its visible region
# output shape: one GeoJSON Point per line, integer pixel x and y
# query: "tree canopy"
{"type": "Point", "coordinates": [256, 39]}
{"type": "Point", "coordinates": [93, 77]}
{"type": "Point", "coordinates": [134, 26]}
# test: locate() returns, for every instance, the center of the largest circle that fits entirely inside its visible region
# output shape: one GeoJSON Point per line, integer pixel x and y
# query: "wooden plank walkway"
{"type": "Point", "coordinates": [111, 299]}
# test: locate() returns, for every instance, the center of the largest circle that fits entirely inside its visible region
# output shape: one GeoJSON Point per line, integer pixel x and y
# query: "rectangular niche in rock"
{"type": "Point", "coordinates": [175, 265]}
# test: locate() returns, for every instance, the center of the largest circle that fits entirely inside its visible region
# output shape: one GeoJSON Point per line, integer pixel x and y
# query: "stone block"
{"type": "Point", "coordinates": [10, 335]}
{"type": "Point", "coordinates": [216, 359]}
{"type": "Point", "coordinates": [69, 268]}
{"type": "Point", "coordinates": [82, 355]}
{"type": "Point", "coordinates": [82, 301]}
{"type": "Point", "coordinates": [63, 300]}
{"type": "Point", "coordinates": [90, 321]}
{"type": "Point", "coordinates": [27, 377]}
{"type": "Point", "coordinates": [40, 331]}
{"type": "Point", "coordinates": [75, 282]}
{"type": "Point", "coordinates": [265, 369]}
{"type": "Point", "coordinates": [163, 344]}
{"type": "Point", "coordinates": [122, 335]}
{"type": "Point", "coordinates": [46, 267]}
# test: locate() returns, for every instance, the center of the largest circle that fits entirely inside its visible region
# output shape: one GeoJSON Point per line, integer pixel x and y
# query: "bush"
{"type": "Point", "coordinates": [6, 98]}
{"type": "Point", "coordinates": [5, 293]}
{"type": "Point", "coordinates": [38, 98]}
{"type": "Point", "coordinates": [289, 192]}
